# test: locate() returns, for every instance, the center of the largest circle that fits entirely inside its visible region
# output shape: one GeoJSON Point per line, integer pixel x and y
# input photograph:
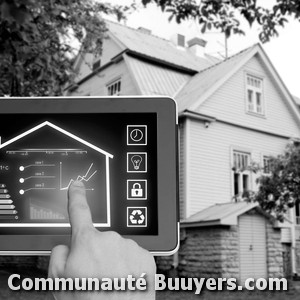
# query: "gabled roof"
{"type": "Point", "coordinates": [219, 214]}
{"type": "Point", "coordinates": [152, 79]}
{"type": "Point", "coordinates": [297, 100]}
{"type": "Point", "coordinates": [154, 47]}
{"type": "Point", "coordinates": [46, 123]}
{"type": "Point", "coordinates": [204, 84]}
{"type": "Point", "coordinates": [195, 90]}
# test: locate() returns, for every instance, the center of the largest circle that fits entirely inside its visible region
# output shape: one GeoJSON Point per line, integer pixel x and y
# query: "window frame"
{"type": "Point", "coordinates": [297, 215]}
{"type": "Point", "coordinates": [96, 65]}
{"type": "Point", "coordinates": [240, 174]}
{"type": "Point", "coordinates": [254, 92]}
{"type": "Point", "coordinates": [266, 158]}
{"type": "Point", "coordinates": [110, 84]}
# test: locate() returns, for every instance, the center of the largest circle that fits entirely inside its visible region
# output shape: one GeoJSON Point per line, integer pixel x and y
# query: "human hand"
{"type": "Point", "coordinates": [95, 254]}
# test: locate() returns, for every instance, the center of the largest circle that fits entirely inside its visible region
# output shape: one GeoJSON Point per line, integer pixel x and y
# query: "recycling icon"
{"type": "Point", "coordinates": [137, 217]}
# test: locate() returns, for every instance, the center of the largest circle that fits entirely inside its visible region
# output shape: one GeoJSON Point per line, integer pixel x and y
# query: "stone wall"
{"type": "Point", "coordinates": [164, 264]}
{"type": "Point", "coordinates": [201, 251]}
{"type": "Point", "coordinates": [214, 252]}
{"type": "Point", "coordinates": [230, 252]}
{"type": "Point", "coordinates": [274, 251]}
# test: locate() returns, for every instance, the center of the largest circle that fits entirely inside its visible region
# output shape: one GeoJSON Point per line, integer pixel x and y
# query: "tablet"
{"type": "Point", "coordinates": [124, 150]}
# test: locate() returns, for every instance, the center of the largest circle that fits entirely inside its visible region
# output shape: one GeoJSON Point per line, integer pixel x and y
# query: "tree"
{"type": "Point", "coordinates": [37, 42]}
{"type": "Point", "coordinates": [224, 14]}
{"type": "Point", "coordinates": [279, 188]}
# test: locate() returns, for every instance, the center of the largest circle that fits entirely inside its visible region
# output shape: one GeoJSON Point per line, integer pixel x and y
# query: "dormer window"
{"type": "Point", "coordinates": [254, 95]}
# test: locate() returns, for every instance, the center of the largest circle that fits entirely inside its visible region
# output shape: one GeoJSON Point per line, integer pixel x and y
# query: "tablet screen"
{"type": "Point", "coordinates": [113, 154]}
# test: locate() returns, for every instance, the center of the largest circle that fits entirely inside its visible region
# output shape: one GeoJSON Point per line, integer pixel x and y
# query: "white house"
{"type": "Point", "coordinates": [231, 112]}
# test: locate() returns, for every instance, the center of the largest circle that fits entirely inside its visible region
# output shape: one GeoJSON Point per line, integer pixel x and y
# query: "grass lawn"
{"type": "Point", "coordinates": [6, 293]}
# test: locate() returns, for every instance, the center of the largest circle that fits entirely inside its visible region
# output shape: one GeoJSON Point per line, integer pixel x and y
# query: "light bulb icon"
{"type": "Point", "coordinates": [136, 161]}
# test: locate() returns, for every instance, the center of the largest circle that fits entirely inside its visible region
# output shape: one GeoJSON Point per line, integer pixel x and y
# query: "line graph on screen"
{"type": "Point", "coordinates": [84, 178]}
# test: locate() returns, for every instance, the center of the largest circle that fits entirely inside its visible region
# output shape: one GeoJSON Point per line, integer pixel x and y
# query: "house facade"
{"type": "Point", "coordinates": [231, 112]}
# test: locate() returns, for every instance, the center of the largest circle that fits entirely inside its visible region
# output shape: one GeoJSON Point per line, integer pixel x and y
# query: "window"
{"type": "Point", "coordinates": [114, 88]}
{"type": "Point", "coordinates": [254, 87]}
{"type": "Point", "coordinates": [241, 174]}
{"type": "Point", "coordinates": [96, 64]}
{"type": "Point", "coordinates": [266, 165]}
{"type": "Point", "coordinates": [297, 209]}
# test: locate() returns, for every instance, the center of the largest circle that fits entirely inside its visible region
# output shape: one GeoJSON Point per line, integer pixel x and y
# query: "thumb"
{"type": "Point", "coordinates": [58, 259]}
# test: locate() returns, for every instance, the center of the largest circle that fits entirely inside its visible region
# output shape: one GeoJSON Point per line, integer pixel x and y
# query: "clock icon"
{"type": "Point", "coordinates": [136, 135]}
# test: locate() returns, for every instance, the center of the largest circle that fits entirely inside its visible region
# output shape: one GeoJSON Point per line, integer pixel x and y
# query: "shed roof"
{"type": "Point", "coordinates": [219, 214]}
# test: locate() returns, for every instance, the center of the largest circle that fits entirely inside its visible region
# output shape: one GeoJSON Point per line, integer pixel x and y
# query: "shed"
{"type": "Point", "coordinates": [229, 240]}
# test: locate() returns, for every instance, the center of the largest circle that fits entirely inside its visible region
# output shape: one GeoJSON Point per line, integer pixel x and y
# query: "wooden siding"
{"type": "Point", "coordinates": [110, 50]}
{"type": "Point", "coordinates": [96, 86]}
{"type": "Point", "coordinates": [85, 64]}
{"type": "Point", "coordinates": [209, 160]}
{"type": "Point", "coordinates": [229, 103]}
{"type": "Point", "coordinates": [182, 171]}
{"type": "Point", "coordinates": [252, 244]}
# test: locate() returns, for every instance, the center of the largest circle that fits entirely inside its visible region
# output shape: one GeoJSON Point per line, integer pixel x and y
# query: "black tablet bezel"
{"type": "Point", "coordinates": [167, 240]}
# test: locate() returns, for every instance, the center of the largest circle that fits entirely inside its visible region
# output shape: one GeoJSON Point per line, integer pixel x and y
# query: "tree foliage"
{"type": "Point", "coordinates": [279, 189]}
{"type": "Point", "coordinates": [224, 14]}
{"type": "Point", "coordinates": [37, 38]}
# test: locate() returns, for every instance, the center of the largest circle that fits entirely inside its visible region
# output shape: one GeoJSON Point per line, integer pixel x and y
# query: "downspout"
{"type": "Point", "coordinates": [293, 248]}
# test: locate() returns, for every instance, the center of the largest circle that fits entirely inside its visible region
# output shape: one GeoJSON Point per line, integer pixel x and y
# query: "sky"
{"type": "Point", "coordinates": [283, 51]}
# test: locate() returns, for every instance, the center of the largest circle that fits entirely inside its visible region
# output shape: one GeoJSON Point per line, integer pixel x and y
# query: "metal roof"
{"type": "Point", "coordinates": [297, 100]}
{"type": "Point", "coordinates": [153, 79]}
{"type": "Point", "coordinates": [200, 83]}
{"type": "Point", "coordinates": [157, 48]}
{"type": "Point", "coordinates": [219, 214]}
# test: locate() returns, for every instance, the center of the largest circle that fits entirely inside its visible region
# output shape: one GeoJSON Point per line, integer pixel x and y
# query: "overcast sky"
{"type": "Point", "coordinates": [283, 51]}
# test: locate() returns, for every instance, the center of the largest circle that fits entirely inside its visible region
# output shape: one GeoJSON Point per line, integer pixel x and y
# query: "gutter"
{"type": "Point", "coordinates": [201, 224]}
{"type": "Point", "coordinates": [144, 57]}
{"type": "Point", "coordinates": [196, 116]}
{"type": "Point", "coordinates": [209, 119]}
{"type": "Point", "coordinates": [113, 60]}
{"type": "Point", "coordinates": [160, 62]}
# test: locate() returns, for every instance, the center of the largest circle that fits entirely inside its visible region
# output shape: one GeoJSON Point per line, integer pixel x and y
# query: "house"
{"type": "Point", "coordinates": [231, 112]}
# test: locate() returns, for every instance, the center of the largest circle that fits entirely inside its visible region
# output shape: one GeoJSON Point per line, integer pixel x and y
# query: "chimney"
{"type": "Point", "coordinates": [178, 40]}
{"type": "Point", "coordinates": [197, 46]}
{"type": "Point", "coordinates": [144, 30]}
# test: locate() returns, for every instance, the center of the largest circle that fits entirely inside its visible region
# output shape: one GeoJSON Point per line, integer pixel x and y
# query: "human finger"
{"type": "Point", "coordinates": [78, 208]}
{"type": "Point", "coordinates": [58, 259]}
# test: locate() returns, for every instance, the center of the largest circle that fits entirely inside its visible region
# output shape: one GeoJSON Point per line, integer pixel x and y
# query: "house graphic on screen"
{"type": "Point", "coordinates": [41, 130]}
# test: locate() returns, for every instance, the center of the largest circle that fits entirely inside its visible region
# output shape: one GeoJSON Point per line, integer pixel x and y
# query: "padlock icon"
{"type": "Point", "coordinates": [136, 190]}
